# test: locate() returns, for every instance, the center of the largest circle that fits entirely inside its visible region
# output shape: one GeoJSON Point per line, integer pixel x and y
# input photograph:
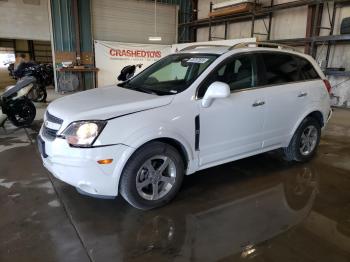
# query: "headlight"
{"type": "Point", "coordinates": [83, 133]}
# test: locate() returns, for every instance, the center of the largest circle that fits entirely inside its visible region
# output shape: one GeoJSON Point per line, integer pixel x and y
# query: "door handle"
{"type": "Point", "coordinates": [302, 94]}
{"type": "Point", "coordinates": [258, 103]}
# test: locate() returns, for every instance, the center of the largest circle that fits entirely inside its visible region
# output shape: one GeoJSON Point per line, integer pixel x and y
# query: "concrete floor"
{"type": "Point", "coordinates": [260, 208]}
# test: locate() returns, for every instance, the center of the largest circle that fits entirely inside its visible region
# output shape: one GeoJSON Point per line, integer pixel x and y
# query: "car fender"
{"type": "Point", "coordinates": [149, 133]}
{"type": "Point", "coordinates": [302, 117]}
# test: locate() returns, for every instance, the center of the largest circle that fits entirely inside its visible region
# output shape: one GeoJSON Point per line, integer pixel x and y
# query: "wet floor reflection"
{"type": "Point", "coordinates": [229, 212]}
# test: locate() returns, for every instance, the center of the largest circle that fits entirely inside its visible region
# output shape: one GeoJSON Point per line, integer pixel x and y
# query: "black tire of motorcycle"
{"type": "Point", "coordinates": [20, 105]}
{"type": "Point", "coordinates": [41, 95]}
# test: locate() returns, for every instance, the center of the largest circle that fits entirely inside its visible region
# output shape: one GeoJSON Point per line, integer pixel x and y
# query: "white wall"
{"type": "Point", "coordinates": [24, 21]}
{"type": "Point", "coordinates": [291, 23]}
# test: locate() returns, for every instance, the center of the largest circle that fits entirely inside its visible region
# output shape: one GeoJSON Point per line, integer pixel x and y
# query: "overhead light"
{"type": "Point", "coordinates": [155, 38]}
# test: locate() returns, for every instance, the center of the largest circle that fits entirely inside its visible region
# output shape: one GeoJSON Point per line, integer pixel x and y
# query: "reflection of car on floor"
{"type": "Point", "coordinates": [189, 111]}
{"type": "Point", "coordinates": [230, 223]}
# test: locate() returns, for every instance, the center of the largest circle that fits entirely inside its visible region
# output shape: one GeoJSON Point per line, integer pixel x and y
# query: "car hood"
{"type": "Point", "coordinates": [104, 103]}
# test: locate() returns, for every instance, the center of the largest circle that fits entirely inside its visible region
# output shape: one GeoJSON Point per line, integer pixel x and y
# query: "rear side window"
{"type": "Point", "coordinates": [307, 70]}
{"type": "Point", "coordinates": [279, 68]}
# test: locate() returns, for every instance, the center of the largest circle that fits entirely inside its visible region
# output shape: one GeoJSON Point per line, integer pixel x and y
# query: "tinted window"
{"type": "Point", "coordinates": [238, 73]}
{"type": "Point", "coordinates": [307, 71]}
{"type": "Point", "coordinates": [280, 68]}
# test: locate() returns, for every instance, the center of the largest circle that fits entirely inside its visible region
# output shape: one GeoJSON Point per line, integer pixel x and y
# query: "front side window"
{"type": "Point", "coordinates": [279, 68]}
{"type": "Point", "coordinates": [171, 75]}
{"type": "Point", "coordinates": [238, 72]}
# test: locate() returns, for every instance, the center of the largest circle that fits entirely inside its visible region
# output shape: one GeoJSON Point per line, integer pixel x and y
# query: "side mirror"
{"type": "Point", "coordinates": [127, 72]}
{"type": "Point", "coordinates": [214, 91]}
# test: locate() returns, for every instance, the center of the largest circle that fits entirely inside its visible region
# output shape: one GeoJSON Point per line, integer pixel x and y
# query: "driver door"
{"type": "Point", "coordinates": [231, 128]}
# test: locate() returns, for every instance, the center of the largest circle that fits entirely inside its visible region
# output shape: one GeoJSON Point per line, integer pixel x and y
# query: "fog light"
{"type": "Point", "coordinates": [105, 161]}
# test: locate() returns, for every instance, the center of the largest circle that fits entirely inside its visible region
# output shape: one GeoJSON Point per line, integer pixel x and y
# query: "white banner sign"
{"type": "Point", "coordinates": [111, 57]}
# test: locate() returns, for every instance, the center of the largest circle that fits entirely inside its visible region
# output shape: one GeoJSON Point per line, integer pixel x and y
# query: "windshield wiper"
{"type": "Point", "coordinates": [145, 90]}
{"type": "Point", "coordinates": [127, 85]}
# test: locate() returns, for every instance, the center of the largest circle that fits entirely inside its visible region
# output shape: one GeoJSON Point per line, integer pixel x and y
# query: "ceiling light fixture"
{"type": "Point", "coordinates": [155, 37]}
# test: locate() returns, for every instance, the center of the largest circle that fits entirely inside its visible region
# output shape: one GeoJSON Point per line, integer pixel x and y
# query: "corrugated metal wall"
{"type": "Point", "coordinates": [185, 15]}
{"type": "Point", "coordinates": [24, 21]}
{"type": "Point", "coordinates": [133, 21]}
{"type": "Point", "coordinates": [63, 29]}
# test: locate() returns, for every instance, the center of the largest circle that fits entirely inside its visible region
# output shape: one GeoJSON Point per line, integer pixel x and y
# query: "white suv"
{"type": "Point", "coordinates": [189, 111]}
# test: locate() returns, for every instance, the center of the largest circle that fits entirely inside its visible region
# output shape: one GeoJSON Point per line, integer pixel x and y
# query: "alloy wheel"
{"type": "Point", "coordinates": [156, 177]}
{"type": "Point", "coordinates": [308, 140]}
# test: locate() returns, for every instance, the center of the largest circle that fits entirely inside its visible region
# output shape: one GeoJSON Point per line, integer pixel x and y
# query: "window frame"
{"type": "Point", "coordinates": [259, 66]}
{"type": "Point", "coordinates": [226, 61]}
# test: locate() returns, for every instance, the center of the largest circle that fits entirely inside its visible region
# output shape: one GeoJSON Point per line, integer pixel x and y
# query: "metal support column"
{"type": "Point", "coordinates": [270, 23]}
{"type": "Point", "coordinates": [210, 10]}
{"type": "Point", "coordinates": [331, 33]}
{"type": "Point", "coordinates": [253, 20]}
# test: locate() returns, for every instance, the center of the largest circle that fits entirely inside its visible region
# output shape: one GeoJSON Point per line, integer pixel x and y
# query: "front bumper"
{"type": "Point", "coordinates": [79, 168]}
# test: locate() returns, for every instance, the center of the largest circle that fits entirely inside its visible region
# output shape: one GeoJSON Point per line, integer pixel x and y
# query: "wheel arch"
{"type": "Point", "coordinates": [316, 114]}
{"type": "Point", "coordinates": [179, 146]}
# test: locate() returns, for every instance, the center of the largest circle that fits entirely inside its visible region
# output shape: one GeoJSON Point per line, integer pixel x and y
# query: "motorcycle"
{"type": "Point", "coordinates": [10, 68]}
{"type": "Point", "coordinates": [43, 75]}
{"type": "Point", "coordinates": [15, 104]}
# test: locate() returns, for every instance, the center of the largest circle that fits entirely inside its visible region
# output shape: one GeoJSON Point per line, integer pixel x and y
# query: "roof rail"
{"type": "Point", "coordinates": [262, 44]}
{"type": "Point", "coordinates": [201, 46]}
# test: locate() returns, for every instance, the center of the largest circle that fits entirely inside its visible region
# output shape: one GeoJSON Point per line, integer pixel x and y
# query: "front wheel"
{"type": "Point", "coordinates": [153, 176]}
{"type": "Point", "coordinates": [40, 94]}
{"type": "Point", "coordinates": [22, 113]}
{"type": "Point", "coordinates": [305, 141]}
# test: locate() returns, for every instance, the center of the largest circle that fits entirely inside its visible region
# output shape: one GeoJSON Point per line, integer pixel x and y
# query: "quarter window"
{"type": "Point", "coordinates": [307, 70]}
{"type": "Point", "coordinates": [280, 68]}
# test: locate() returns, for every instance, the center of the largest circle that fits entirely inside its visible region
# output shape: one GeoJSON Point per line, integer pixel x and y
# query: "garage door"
{"type": "Point", "coordinates": [133, 21]}
{"type": "Point", "coordinates": [24, 19]}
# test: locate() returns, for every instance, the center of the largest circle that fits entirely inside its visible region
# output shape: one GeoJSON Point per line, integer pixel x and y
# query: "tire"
{"type": "Point", "coordinates": [142, 176]}
{"type": "Point", "coordinates": [22, 113]}
{"type": "Point", "coordinates": [294, 152]}
{"type": "Point", "coordinates": [41, 94]}
{"type": "Point", "coordinates": [299, 186]}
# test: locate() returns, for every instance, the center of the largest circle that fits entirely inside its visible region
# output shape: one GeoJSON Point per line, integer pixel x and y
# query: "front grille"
{"type": "Point", "coordinates": [50, 133]}
{"type": "Point", "coordinates": [53, 119]}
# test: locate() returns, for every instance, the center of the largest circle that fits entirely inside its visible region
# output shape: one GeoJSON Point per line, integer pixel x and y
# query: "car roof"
{"type": "Point", "coordinates": [219, 50]}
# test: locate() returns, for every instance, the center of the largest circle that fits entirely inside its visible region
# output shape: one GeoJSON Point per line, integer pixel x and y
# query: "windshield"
{"type": "Point", "coordinates": [170, 75]}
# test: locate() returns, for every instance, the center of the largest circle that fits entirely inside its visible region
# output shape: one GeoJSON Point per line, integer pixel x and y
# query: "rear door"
{"type": "Point", "coordinates": [285, 94]}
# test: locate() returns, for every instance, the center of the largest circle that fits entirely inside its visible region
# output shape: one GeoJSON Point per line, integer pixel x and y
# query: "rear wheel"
{"type": "Point", "coordinates": [22, 113]}
{"type": "Point", "coordinates": [305, 141]}
{"type": "Point", "coordinates": [152, 176]}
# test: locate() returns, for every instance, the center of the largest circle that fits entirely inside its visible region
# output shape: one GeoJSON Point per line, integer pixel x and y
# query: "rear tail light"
{"type": "Point", "coordinates": [327, 85]}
